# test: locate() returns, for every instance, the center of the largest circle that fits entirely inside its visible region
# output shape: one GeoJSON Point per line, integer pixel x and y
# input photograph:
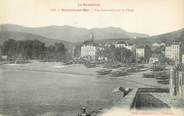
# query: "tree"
{"type": "Point", "coordinates": [148, 53]}
{"type": "Point", "coordinates": [120, 54]}
{"type": "Point", "coordinates": [77, 50]}
{"type": "Point", "coordinates": [27, 48]}
{"type": "Point", "coordinates": [57, 51]}
{"type": "Point", "coordinates": [60, 51]}
{"type": "Point", "coordinates": [9, 47]}
{"type": "Point", "coordinates": [34, 49]}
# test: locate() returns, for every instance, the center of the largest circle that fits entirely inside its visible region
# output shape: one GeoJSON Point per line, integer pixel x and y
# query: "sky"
{"type": "Point", "coordinates": [151, 17]}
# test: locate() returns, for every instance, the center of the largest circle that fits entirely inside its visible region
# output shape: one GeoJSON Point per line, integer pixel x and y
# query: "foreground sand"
{"type": "Point", "coordinates": [61, 88]}
{"type": "Point", "coordinates": [80, 69]}
{"type": "Point", "coordinates": [53, 67]}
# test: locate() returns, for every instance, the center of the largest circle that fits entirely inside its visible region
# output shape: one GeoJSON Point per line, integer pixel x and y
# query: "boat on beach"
{"type": "Point", "coordinates": [163, 78]}
{"type": "Point", "coordinates": [90, 65]}
{"type": "Point", "coordinates": [104, 71]}
{"type": "Point", "coordinates": [148, 75]}
{"type": "Point", "coordinates": [118, 73]}
{"type": "Point", "coordinates": [68, 63]}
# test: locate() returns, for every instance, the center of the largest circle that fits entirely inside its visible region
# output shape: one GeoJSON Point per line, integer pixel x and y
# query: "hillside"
{"type": "Point", "coordinates": [73, 34]}
{"type": "Point", "coordinates": [172, 36]}
{"type": "Point", "coordinates": [68, 34]}
{"type": "Point", "coordinates": [5, 35]}
{"type": "Point", "coordinates": [166, 37]}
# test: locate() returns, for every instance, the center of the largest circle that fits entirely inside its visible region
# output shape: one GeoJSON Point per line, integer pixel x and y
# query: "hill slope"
{"type": "Point", "coordinates": [172, 36]}
{"type": "Point", "coordinates": [166, 37]}
{"type": "Point", "coordinates": [5, 35]}
{"type": "Point", "coordinates": [73, 34]}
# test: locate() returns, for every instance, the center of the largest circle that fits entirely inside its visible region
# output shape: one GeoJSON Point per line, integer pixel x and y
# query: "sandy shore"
{"type": "Point", "coordinates": [52, 67]}
{"type": "Point", "coordinates": [80, 69]}
{"type": "Point", "coordinates": [53, 88]}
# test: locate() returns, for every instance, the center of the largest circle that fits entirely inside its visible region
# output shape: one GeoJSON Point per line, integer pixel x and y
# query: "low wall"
{"type": "Point", "coordinates": [127, 101]}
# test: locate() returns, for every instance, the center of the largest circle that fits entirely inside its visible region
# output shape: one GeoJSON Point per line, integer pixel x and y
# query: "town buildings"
{"type": "Point", "coordinates": [140, 52]}
{"type": "Point", "coordinates": [174, 52]}
{"type": "Point", "coordinates": [124, 44]}
{"type": "Point", "coordinates": [158, 44]}
{"type": "Point", "coordinates": [155, 45]}
{"type": "Point", "coordinates": [89, 51]}
{"type": "Point", "coordinates": [92, 52]}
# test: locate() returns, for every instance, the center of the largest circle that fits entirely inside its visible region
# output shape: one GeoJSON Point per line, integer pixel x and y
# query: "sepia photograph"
{"type": "Point", "coordinates": [91, 58]}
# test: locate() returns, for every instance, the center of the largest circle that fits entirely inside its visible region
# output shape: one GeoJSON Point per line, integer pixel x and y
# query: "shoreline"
{"type": "Point", "coordinates": [81, 70]}
{"type": "Point", "coordinates": [53, 67]}
{"type": "Point", "coordinates": [46, 71]}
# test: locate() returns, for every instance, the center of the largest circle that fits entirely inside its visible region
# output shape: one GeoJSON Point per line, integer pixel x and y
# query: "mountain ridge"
{"type": "Point", "coordinates": [73, 34]}
{"type": "Point", "coordinates": [5, 35]}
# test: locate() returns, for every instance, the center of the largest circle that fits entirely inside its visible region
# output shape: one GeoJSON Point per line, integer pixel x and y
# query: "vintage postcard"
{"type": "Point", "coordinates": [91, 57]}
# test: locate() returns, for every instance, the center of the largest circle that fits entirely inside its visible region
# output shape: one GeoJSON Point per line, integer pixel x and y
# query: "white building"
{"type": "Point", "coordinates": [88, 51]}
{"type": "Point", "coordinates": [162, 44]}
{"type": "Point", "coordinates": [107, 45]}
{"type": "Point", "coordinates": [173, 52]}
{"type": "Point", "coordinates": [183, 59]}
{"type": "Point", "coordinates": [140, 52]}
{"type": "Point", "coordinates": [130, 47]}
{"type": "Point", "coordinates": [140, 55]}
{"type": "Point", "coordinates": [158, 44]}
{"type": "Point", "coordinates": [155, 45]}
{"type": "Point", "coordinates": [92, 52]}
{"type": "Point", "coordinates": [124, 44]}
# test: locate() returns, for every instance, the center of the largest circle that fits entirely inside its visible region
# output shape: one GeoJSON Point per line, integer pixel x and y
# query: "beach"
{"type": "Point", "coordinates": [41, 88]}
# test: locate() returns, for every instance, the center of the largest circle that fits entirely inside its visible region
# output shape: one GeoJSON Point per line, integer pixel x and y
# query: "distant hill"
{"type": "Point", "coordinates": [172, 36]}
{"type": "Point", "coordinates": [114, 33]}
{"type": "Point", "coordinates": [70, 35]}
{"type": "Point", "coordinates": [73, 34]}
{"type": "Point", "coordinates": [5, 35]}
{"type": "Point", "coordinates": [166, 37]}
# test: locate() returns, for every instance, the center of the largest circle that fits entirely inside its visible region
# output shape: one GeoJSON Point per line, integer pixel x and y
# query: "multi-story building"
{"type": "Point", "coordinates": [92, 52]}
{"type": "Point", "coordinates": [173, 52]}
{"type": "Point", "coordinates": [140, 52]}
{"type": "Point", "coordinates": [89, 51]}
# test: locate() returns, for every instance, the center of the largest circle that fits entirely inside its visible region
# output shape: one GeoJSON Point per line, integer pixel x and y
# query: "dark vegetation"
{"type": "Point", "coordinates": [34, 49]}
